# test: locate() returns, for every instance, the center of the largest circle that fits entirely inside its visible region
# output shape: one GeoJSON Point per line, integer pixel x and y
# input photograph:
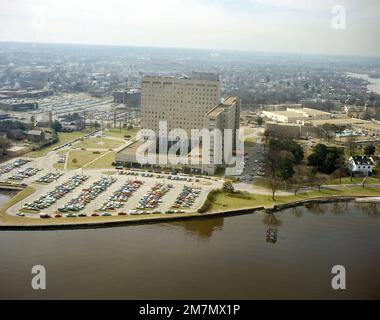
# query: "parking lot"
{"type": "Point", "coordinates": [170, 201]}
{"type": "Point", "coordinates": [254, 160]}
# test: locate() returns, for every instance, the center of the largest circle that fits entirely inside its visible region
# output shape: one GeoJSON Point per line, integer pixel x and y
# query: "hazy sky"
{"type": "Point", "coordinates": [301, 26]}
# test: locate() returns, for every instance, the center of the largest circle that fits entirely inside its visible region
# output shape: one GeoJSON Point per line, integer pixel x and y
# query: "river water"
{"type": "Point", "coordinates": [374, 82]}
{"type": "Point", "coordinates": [218, 258]}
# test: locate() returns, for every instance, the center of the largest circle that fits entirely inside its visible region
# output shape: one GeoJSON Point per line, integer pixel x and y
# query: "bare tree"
{"type": "Point", "coordinates": [352, 144]}
{"type": "Point", "coordinates": [275, 184]}
{"type": "Point", "coordinates": [319, 182]}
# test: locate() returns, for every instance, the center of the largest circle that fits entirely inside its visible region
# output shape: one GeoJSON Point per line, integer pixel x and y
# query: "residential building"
{"type": "Point", "coordinates": [361, 165]}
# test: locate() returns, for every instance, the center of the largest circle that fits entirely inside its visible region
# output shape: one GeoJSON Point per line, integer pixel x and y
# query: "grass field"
{"type": "Point", "coordinates": [59, 166]}
{"type": "Point", "coordinates": [64, 137]}
{"type": "Point", "coordinates": [250, 139]}
{"type": "Point", "coordinates": [98, 143]}
{"type": "Point", "coordinates": [226, 201]}
{"type": "Point", "coordinates": [82, 158]}
{"type": "Point", "coordinates": [117, 133]}
{"type": "Point", "coordinates": [264, 183]}
{"type": "Point", "coordinates": [104, 162]}
{"type": "Point", "coordinates": [355, 180]}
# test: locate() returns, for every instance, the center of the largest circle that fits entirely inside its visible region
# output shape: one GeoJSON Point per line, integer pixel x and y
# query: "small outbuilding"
{"type": "Point", "coordinates": [36, 135]}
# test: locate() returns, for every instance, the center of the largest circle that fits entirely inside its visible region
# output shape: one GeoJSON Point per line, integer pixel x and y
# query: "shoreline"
{"type": "Point", "coordinates": [169, 218]}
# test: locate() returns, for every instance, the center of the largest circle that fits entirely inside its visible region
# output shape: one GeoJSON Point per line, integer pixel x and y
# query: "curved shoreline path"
{"type": "Point", "coordinates": [118, 221]}
{"type": "Point", "coordinates": [46, 163]}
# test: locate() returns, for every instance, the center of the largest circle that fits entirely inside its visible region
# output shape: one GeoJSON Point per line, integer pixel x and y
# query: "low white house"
{"type": "Point", "coordinates": [362, 165]}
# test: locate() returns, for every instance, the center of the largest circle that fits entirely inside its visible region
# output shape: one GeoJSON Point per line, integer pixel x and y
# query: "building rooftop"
{"type": "Point", "coordinates": [338, 121]}
{"type": "Point", "coordinates": [362, 160]}
{"type": "Point", "coordinates": [308, 112]}
{"type": "Point", "coordinates": [132, 148]}
{"type": "Point", "coordinates": [289, 114]}
{"type": "Point", "coordinates": [35, 132]}
{"type": "Point", "coordinates": [230, 101]}
{"type": "Point", "coordinates": [215, 111]}
{"type": "Point", "coordinates": [203, 76]}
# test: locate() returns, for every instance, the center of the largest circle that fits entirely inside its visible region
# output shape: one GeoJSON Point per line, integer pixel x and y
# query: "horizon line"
{"type": "Point", "coordinates": [196, 48]}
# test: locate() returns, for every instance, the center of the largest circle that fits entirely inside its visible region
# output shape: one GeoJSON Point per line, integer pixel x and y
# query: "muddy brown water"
{"type": "Point", "coordinates": [216, 258]}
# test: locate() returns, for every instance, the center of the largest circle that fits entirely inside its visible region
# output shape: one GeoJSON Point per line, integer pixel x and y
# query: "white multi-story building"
{"type": "Point", "coordinates": [181, 102]}
{"type": "Point", "coordinates": [361, 164]}
{"type": "Point", "coordinates": [188, 104]}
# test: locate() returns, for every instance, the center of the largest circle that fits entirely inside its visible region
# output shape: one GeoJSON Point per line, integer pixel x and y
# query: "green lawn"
{"type": "Point", "coordinates": [355, 180]}
{"type": "Point", "coordinates": [64, 137]}
{"type": "Point", "coordinates": [98, 143]}
{"type": "Point", "coordinates": [226, 201]}
{"type": "Point", "coordinates": [104, 162]}
{"type": "Point", "coordinates": [250, 139]}
{"type": "Point", "coordinates": [264, 183]}
{"type": "Point", "coordinates": [59, 166]}
{"type": "Point", "coordinates": [82, 157]}
{"type": "Point", "coordinates": [117, 133]}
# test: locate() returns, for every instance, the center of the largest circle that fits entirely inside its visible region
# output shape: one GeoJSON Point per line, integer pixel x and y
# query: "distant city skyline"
{"type": "Point", "coordinates": [283, 26]}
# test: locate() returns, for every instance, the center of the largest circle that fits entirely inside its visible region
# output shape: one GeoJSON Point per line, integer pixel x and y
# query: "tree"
{"type": "Point", "coordinates": [325, 159]}
{"type": "Point", "coordinates": [286, 170]}
{"type": "Point", "coordinates": [298, 182]}
{"type": "Point", "coordinates": [228, 187]}
{"type": "Point", "coordinates": [295, 148]}
{"type": "Point", "coordinates": [259, 121]}
{"type": "Point", "coordinates": [56, 126]}
{"type": "Point", "coordinates": [75, 160]}
{"type": "Point", "coordinates": [4, 145]}
{"type": "Point", "coordinates": [369, 150]}
{"type": "Point", "coordinates": [341, 171]}
{"type": "Point", "coordinates": [352, 144]}
{"type": "Point", "coordinates": [329, 130]}
{"type": "Point", "coordinates": [274, 185]}
{"type": "Point", "coordinates": [319, 182]}
{"type": "Point", "coordinates": [278, 144]}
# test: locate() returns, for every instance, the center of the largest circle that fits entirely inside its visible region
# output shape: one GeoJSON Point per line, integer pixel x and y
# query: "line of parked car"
{"type": "Point", "coordinates": [187, 197]}
{"type": "Point", "coordinates": [49, 177]}
{"type": "Point", "coordinates": [153, 198]}
{"type": "Point", "coordinates": [24, 173]}
{"type": "Point", "coordinates": [70, 143]}
{"type": "Point", "coordinates": [12, 165]}
{"type": "Point", "coordinates": [129, 173]}
{"type": "Point", "coordinates": [87, 195]}
{"type": "Point", "coordinates": [61, 159]}
{"type": "Point", "coordinates": [179, 178]}
{"type": "Point", "coordinates": [121, 196]}
{"type": "Point", "coordinates": [59, 191]}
